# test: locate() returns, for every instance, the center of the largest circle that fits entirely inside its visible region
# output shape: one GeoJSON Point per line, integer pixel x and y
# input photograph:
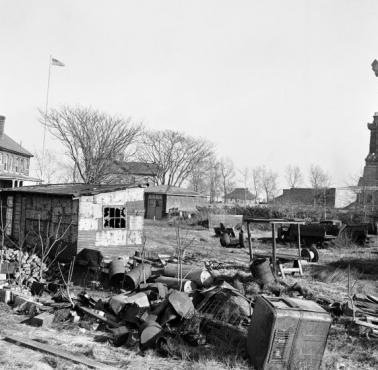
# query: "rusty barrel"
{"type": "Point", "coordinates": [117, 271]}
{"type": "Point", "coordinates": [261, 271]}
{"type": "Point", "coordinates": [136, 276]}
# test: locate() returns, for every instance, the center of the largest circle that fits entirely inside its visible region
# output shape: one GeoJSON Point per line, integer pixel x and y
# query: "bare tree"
{"type": "Point", "coordinates": [46, 168]}
{"type": "Point", "coordinates": [245, 173]}
{"type": "Point", "coordinates": [227, 172]}
{"type": "Point", "coordinates": [257, 183]}
{"type": "Point", "coordinates": [176, 154]}
{"type": "Point", "coordinates": [205, 178]}
{"type": "Point", "coordinates": [198, 177]}
{"type": "Point", "coordinates": [92, 139]}
{"type": "Point", "coordinates": [318, 177]}
{"type": "Point", "coordinates": [294, 176]}
{"type": "Point", "coordinates": [215, 183]}
{"type": "Point", "coordinates": [269, 183]}
{"type": "Point", "coordinates": [320, 181]}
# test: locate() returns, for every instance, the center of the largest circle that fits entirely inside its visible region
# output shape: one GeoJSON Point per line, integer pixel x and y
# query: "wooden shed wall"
{"type": "Point", "coordinates": [26, 213]}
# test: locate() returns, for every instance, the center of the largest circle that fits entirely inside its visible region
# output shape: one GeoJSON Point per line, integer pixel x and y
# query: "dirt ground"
{"type": "Point", "coordinates": [346, 347]}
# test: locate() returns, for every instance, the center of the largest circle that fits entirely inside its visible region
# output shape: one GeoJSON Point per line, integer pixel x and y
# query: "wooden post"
{"type": "Point", "coordinates": [299, 240]}
{"type": "Point", "coordinates": [274, 248]}
{"type": "Point", "coordinates": [249, 243]}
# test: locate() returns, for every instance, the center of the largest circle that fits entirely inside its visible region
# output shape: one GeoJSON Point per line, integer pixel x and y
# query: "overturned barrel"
{"type": "Point", "coordinates": [117, 271]}
{"type": "Point", "coordinates": [261, 271]}
{"type": "Point", "coordinates": [201, 276]}
{"type": "Point", "coordinates": [185, 285]}
{"type": "Point", "coordinates": [136, 276]}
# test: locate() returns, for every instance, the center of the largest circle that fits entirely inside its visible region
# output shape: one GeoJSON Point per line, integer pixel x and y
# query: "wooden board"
{"type": "Point", "coordinates": [280, 256]}
{"type": "Point", "coordinates": [57, 352]}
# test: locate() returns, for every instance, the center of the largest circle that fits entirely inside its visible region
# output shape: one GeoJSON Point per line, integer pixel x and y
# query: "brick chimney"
{"type": "Point", "coordinates": [2, 122]}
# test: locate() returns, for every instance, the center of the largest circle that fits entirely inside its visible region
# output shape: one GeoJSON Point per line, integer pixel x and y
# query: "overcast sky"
{"type": "Point", "coordinates": [269, 82]}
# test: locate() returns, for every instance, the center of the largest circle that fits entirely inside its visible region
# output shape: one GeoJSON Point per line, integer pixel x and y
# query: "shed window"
{"type": "Point", "coordinates": [115, 217]}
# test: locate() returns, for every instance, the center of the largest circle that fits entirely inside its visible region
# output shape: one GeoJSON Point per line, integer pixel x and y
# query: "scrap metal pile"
{"type": "Point", "coordinates": [145, 301]}
{"type": "Point", "coordinates": [151, 301]}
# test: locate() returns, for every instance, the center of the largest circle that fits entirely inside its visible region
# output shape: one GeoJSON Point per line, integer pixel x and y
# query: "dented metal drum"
{"type": "Point", "coordinates": [136, 276]}
{"type": "Point", "coordinates": [117, 271]}
{"type": "Point", "coordinates": [261, 271]}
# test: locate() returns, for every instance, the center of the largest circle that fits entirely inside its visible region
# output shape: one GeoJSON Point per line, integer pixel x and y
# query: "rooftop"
{"type": "Point", "coordinates": [135, 168]}
{"type": "Point", "coordinates": [8, 144]}
{"type": "Point", "coordinates": [69, 189]}
{"type": "Point", "coordinates": [172, 190]}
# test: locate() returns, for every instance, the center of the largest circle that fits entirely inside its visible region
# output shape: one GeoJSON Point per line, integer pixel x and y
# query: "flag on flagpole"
{"type": "Point", "coordinates": [56, 62]}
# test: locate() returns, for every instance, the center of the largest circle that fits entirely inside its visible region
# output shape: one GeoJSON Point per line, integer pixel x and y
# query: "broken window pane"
{"type": "Point", "coordinates": [114, 217]}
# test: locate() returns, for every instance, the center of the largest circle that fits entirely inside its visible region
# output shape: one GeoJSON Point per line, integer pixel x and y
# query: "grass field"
{"type": "Point", "coordinates": [346, 348]}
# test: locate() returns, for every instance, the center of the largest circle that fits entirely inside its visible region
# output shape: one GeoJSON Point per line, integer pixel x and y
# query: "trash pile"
{"type": "Point", "coordinates": [149, 300]}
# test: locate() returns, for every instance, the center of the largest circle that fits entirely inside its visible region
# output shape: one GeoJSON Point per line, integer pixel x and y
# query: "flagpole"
{"type": "Point", "coordinates": [45, 121]}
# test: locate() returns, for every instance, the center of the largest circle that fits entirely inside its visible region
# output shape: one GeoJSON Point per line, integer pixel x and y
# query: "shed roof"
{"type": "Point", "coordinates": [134, 168]}
{"type": "Point", "coordinates": [69, 189]}
{"type": "Point", "coordinates": [172, 190]}
{"type": "Point", "coordinates": [8, 144]}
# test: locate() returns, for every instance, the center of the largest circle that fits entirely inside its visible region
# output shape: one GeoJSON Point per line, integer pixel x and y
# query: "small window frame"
{"type": "Point", "coordinates": [114, 220]}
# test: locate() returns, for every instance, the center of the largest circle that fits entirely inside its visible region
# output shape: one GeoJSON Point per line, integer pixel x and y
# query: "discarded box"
{"type": "Point", "coordinates": [287, 334]}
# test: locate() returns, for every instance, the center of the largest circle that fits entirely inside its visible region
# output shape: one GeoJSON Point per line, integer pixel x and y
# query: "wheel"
{"type": "Point", "coordinates": [225, 240]}
{"type": "Point", "coordinates": [315, 251]}
{"type": "Point", "coordinates": [305, 253]}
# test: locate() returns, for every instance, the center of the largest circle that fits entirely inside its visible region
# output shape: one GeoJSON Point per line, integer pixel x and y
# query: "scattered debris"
{"type": "Point", "coordinates": [151, 302]}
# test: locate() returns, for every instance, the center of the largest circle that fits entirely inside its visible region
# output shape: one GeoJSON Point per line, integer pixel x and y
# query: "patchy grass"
{"type": "Point", "coordinates": [346, 348]}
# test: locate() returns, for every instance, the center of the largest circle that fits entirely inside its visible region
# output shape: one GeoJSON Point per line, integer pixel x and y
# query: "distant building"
{"type": "Point", "coordinates": [160, 200]}
{"type": "Point", "coordinates": [241, 196]}
{"type": "Point", "coordinates": [123, 172]}
{"type": "Point", "coordinates": [308, 197]}
{"type": "Point", "coordinates": [14, 161]}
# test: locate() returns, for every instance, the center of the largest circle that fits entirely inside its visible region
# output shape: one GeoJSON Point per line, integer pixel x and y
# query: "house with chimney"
{"type": "Point", "coordinates": [14, 161]}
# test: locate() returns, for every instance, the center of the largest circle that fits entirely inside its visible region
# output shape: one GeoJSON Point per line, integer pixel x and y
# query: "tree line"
{"type": "Point", "coordinates": [93, 140]}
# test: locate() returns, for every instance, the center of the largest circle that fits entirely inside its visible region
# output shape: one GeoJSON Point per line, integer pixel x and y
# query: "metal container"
{"type": "Point", "coordinates": [287, 334]}
{"type": "Point", "coordinates": [201, 276]}
{"type": "Point", "coordinates": [117, 271]}
{"type": "Point", "coordinates": [136, 276]}
{"type": "Point", "coordinates": [261, 271]}
{"type": "Point", "coordinates": [185, 285]}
